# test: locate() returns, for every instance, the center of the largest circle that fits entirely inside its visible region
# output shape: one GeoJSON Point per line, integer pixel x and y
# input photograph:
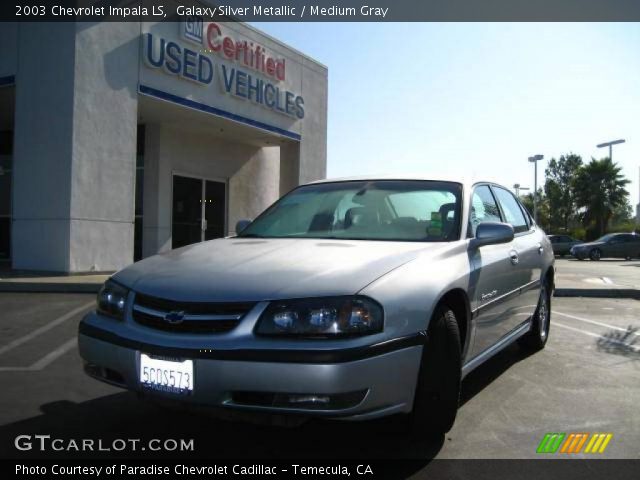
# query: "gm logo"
{"type": "Point", "coordinates": [174, 317]}
{"type": "Point", "coordinates": [574, 443]}
{"type": "Point", "coordinates": [192, 28]}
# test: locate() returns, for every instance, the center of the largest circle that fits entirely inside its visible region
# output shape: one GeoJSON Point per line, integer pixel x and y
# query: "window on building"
{"type": "Point", "coordinates": [137, 232]}
{"type": "Point", "coordinates": [6, 157]}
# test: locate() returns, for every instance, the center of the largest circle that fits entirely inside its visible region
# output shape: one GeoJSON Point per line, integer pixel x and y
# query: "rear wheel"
{"type": "Point", "coordinates": [438, 389]}
{"type": "Point", "coordinates": [595, 254]}
{"type": "Point", "coordinates": [537, 337]}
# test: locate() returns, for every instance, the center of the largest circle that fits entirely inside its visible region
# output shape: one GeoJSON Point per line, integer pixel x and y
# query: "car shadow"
{"type": "Point", "coordinates": [485, 374]}
{"type": "Point", "coordinates": [125, 416]}
{"type": "Point", "coordinates": [617, 342]}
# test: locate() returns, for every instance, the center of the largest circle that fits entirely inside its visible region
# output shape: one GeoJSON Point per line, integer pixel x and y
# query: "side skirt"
{"type": "Point", "coordinates": [493, 350]}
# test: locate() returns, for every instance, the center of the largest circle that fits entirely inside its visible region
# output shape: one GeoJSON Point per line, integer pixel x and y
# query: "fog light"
{"type": "Point", "coordinates": [300, 401]}
{"type": "Point", "coordinates": [309, 399]}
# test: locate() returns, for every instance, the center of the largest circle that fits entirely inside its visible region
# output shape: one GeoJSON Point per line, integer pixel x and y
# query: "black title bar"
{"type": "Point", "coordinates": [322, 10]}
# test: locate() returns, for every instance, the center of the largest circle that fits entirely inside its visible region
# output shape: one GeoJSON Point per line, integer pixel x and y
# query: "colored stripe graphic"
{"type": "Point", "coordinates": [550, 443]}
{"type": "Point", "coordinates": [572, 443]}
{"type": "Point", "coordinates": [598, 443]}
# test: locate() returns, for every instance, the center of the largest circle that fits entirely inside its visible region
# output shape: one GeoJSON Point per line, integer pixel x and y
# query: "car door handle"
{"type": "Point", "coordinates": [513, 256]}
{"type": "Point", "coordinates": [540, 249]}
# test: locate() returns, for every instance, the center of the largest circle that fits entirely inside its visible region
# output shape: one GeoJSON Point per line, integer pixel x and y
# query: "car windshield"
{"type": "Point", "coordinates": [400, 210]}
{"type": "Point", "coordinates": [605, 238]}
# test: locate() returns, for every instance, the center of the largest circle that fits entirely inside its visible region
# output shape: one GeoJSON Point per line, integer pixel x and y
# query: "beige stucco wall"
{"type": "Point", "coordinates": [75, 141]}
{"type": "Point", "coordinates": [252, 175]}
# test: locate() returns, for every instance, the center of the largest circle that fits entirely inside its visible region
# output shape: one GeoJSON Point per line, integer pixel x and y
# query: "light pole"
{"type": "Point", "coordinates": [517, 188]}
{"type": "Point", "coordinates": [610, 145]}
{"type": "Point", "coordinates": [535, 159]}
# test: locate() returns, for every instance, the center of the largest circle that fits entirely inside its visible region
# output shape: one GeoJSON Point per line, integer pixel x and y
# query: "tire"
{"type": "Point", "coordinates": [537, 337]}
{"type": "Point", "coordinates": [595, 254]}
{"type": "Point", "coordinates": [437, 395]}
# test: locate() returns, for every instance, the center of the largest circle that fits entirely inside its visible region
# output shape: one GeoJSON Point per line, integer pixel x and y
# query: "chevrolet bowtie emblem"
{"type": "Point", "coordinates": [174, 317]}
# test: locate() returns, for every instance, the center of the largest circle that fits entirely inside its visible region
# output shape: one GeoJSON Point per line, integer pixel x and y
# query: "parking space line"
{"type": "Point", "coordinates": [600, 324]}
{"type": "Point", "coordinates": [595, 335]}
{"type": "Point", "coordinates": [46, 360]}
{"type": "Point", "coordinates": [58, 352]}
{"type": "Point", "coordinates": [45, 328]}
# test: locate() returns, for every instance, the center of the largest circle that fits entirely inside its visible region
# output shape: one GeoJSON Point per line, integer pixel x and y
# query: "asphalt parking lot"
{"type": "Point", "coordinates": [586, 380]}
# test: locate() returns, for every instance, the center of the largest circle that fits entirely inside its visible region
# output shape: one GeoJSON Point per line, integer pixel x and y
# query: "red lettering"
{"type": "Point", "coordinates": [271, 66]}
{"type": "Point", "coordinates": [280, 70]}
{"type": "Point", "coordinates": [228, 47]}
{"type": "Point", "coordinates": [213, 32]}
{"type": "Point", "coordinates": [253, 56]}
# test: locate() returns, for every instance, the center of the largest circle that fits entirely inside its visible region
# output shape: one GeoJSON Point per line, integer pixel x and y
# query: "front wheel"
{"type": "Point", "coordinates": [437, 395]}
{"type": "Point", "coordinates": [537, 337]}
{"type": "Point", "coordinates": [595, 254]}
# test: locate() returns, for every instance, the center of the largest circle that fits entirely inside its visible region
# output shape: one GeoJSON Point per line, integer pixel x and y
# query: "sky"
{"type": "Point", "coordinates": [475, 98]}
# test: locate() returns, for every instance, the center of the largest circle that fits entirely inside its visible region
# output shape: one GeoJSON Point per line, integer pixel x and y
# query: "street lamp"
{"type": "Point", "coordinates": [535, 159]}
{"type": "Point", "coordinates": [517, 188]}
{"type": "Point", "coordinates": [610, 144]}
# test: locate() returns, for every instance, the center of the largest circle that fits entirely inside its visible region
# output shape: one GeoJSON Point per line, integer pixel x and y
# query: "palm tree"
{"type": "Point", "coordinates": [599, 188]}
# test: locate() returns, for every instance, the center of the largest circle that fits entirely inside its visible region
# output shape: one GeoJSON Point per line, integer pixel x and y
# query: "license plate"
{"type": "Point", "coordinates": [166, 375]}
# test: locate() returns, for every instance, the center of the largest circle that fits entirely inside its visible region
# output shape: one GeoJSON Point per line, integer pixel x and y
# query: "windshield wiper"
{"type": "Point", "coordinates": [249, 235]}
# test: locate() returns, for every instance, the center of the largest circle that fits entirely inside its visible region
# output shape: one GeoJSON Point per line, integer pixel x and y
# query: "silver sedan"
{"type": "Point", "coordinates": [353, 298]}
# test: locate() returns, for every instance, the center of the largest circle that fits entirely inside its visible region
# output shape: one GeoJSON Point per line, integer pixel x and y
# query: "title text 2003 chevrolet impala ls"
{"type": "Point", "coordinates": [351, 298]}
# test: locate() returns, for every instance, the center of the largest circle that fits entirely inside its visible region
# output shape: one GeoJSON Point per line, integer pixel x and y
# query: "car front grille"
{"type": "Point", "coordinates": [188, 317]}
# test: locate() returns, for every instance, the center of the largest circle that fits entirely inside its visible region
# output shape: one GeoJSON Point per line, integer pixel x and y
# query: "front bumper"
{"type": "Point", "coordinates": [372, 386]}
{"type": "Point", "coordinates": [577, 253]}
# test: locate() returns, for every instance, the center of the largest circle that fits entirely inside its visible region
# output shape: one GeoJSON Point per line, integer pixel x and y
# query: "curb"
{"type": "Point", "coordinates": [631, 293]}
{"type": "Point", "coordinates": [50, 287]}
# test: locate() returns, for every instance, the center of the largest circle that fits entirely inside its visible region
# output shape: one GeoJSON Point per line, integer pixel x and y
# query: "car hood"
{"type": "Point", "coordinates": [590, 244]}
{"type": "Point", "coordinates": [235, 269]}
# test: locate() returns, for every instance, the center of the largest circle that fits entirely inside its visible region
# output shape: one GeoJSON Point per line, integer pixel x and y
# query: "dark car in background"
{"type": "Point", "coordinates": [562, 244]}
{"type": "Point", "coordinates": [614, 245]}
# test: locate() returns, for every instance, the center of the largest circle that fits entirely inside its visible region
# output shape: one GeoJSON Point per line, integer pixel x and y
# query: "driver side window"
{"type": "Point", "coordinates": [483, 209]}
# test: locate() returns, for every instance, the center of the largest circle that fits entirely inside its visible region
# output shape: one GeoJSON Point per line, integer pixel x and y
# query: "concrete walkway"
{"type": "Point", "coordinates": [607, 278]}
{"type": "Point", "coordinates": [13, 281]}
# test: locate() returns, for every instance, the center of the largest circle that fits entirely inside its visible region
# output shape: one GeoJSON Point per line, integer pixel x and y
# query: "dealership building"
{"type": "Point", "coordinates": [122, 140]}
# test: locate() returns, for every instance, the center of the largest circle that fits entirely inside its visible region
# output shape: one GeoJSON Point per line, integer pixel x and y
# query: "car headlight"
{"type": "Point", "coordinates": [322, 317]}
{"type": "Point", "coordinates": [112, 299]}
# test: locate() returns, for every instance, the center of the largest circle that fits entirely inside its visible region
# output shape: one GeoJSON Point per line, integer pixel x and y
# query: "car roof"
{"type": "Point", "coordinates": [465, 181]}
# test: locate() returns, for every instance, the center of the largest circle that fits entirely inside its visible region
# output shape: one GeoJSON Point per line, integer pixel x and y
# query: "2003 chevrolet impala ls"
{"type": "Point", "coordinates": [352, 298]}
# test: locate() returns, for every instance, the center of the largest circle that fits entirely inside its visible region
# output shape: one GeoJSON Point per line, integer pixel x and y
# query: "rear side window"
{"type": "Point", "coordinates": [483, 209]}
{"type": "Point", "coordinates": [511, 210]}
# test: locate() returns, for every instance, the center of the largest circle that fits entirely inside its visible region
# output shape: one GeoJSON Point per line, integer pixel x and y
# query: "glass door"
{"type": "Point", "coordinates": [186, 224]}
{"type": "Point", "coordinates": [214, 209]}
{"type": "Point", "coordinates": [199, 210]}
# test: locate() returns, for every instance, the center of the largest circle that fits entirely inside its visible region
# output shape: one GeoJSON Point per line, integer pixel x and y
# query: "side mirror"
{"type": "Point", "coordinates": [241, 225]}
{"type": "Point", "coordinates": [492, 233]}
